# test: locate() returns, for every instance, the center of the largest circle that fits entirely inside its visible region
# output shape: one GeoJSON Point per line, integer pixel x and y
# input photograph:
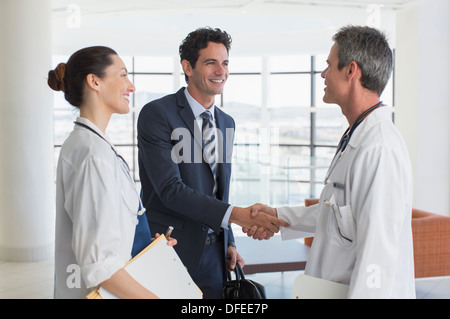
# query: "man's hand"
{"type": "Point", "coordinates": [258, 232]}
{"type": "Point", "coordinates": [266, 224]}
{"type": "Point", "coordinates": [170, 241]}
{"type": "Point", "coordinates": [233, 257]}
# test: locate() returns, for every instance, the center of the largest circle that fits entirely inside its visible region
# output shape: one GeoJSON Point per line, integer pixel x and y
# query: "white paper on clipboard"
{"type": "Point", "coordinates": [159, 269]}
{"type": "Point", "coordinates": [307, 287]}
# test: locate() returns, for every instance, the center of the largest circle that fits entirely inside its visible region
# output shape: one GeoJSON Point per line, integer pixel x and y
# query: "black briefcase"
{"type": "Point", "coordinates": [242, 288]}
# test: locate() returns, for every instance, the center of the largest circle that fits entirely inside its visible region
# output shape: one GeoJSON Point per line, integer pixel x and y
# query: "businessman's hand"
{"type": "Point", "coordinates": [234, 258]}
{"type": "Point", "coordinates": [258, 232]}
{"type": "Point", "coordinates": [170, 241]}
{"type": "Point", "coordinates": [249, 218]}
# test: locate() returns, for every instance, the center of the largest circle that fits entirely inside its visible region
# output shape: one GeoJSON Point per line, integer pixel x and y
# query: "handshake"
{"type": "Point", "coordinates": [258, 221]}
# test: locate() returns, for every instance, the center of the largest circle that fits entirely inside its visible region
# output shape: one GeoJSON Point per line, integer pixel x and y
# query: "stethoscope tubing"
{"type": "Point", "coordinates": [345, 139]}
{"type": "Point", "coordinates": [141, 206]}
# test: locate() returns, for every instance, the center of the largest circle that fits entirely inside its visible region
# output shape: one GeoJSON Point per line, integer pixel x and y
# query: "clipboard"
{"type": "Point", "coordinates": [159, 269]}
{"type": "Point", "coordinates": [307, 287]}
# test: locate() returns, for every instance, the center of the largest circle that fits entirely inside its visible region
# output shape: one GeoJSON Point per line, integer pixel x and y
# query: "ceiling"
{"type": "Point", "coordinates": [132, 6]}
{"type": "Point", "coordinates": [156, 27]}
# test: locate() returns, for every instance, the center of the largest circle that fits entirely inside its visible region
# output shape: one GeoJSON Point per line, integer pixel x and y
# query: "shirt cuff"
{"type": "Point", "coordinates": [226, 217]}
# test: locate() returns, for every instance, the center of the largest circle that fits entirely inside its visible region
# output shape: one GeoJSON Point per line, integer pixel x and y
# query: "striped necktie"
{"type": "Point", "coordinates": [209, 145]}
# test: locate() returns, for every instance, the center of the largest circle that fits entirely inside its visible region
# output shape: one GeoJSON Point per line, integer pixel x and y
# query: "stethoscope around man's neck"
{"type": "Point", "coordinates": [141, 206]}
{"type": "Point", "coordinates": [349, 132]}
{"type": "Point", "coordinates": [345, 139]}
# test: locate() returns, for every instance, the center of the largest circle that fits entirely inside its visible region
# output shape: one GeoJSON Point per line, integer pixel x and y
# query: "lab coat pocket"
{"type": "Point", "coordinates": [341, 224]}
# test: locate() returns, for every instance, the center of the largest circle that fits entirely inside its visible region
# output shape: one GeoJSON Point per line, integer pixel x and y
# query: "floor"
{"type": "Point", "coordinates": [279, 285]}
{"type": "Point", "coordinates": [26, 280]}
{"type": "Point", "coordinates": [35, 281]}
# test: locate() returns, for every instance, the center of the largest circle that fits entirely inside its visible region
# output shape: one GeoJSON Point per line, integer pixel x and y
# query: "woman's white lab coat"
{"type": "Point", "coordinates": [362, 223]}
{"type": "Point", "coordinates": [96, 213]}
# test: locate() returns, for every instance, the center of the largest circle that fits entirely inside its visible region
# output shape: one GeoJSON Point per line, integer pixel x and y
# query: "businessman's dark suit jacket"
{"type": "Point", "coordinates": [179, 194]}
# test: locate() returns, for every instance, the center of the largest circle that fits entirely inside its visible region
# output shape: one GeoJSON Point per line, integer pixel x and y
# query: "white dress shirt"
{"type": "Point", "coordinates": [198, 109]}
{"type": "Point", "coordinates": [96, 212]}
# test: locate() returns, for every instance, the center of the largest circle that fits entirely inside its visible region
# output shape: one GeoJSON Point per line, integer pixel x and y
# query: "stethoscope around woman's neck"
{"type": "Point", "coordinates": [94, 131]}
{"type": "Point", "coordinates": [141, 206]}
{"type": "Point", "coordinates": [345, 139]}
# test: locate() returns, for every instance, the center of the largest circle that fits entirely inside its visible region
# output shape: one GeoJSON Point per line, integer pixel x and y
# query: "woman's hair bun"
{"type": "Point", "coordinates": [56, 78]}
{"type": "Point", "coordinates": [70, 77]}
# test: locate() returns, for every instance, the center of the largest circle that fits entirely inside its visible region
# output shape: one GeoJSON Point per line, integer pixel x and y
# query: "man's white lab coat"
{"type": "Point", "coordinates": [362, 223]}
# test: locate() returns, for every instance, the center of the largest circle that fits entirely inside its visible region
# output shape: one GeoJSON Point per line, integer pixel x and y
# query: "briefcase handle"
{"type": "Point", "coordinates": [238, 272]}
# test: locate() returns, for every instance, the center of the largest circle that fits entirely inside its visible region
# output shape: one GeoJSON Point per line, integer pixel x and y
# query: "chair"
{"type": "Point", "coordinates": [431, 242]}
{"type": "Point", "coordinates": [431, 238]}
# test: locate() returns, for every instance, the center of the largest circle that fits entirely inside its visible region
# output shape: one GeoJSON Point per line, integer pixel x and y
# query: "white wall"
{"type": "Point", "coordinates": [423, 99]}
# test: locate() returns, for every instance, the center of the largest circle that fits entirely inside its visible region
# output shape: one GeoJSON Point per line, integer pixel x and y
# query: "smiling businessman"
{"type": "Point", "coordinates": [189, 189]}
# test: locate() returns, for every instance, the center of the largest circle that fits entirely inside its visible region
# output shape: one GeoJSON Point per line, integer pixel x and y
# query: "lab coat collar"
{"type": "Point", "coordinates": [85, 121]}
{"type": "Point", "coordinates": [378, 115]}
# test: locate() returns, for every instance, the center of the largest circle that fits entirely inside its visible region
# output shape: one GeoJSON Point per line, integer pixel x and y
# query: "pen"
{"type": "Point", "coordinates": [340, 186]}
{"type": "Point", "coordinates": [169, 231]}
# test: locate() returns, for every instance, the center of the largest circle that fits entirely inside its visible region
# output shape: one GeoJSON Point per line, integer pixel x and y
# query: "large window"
{"type": "Point", "coordinates": [285, 135]}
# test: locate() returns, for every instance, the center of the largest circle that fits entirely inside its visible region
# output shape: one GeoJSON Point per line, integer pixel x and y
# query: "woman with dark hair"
{"type": "Point", "coordinates": [97, 204]}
